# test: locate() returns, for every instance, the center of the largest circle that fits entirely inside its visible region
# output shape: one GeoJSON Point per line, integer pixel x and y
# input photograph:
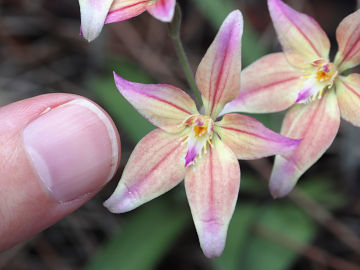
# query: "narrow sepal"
{"type": "Point", "coordinates": [317, 124]}
{"type": "Point", "coordinates": [162, 10]}
{"type": "Point", "coordinates": [249, 139]}
{"type": "Point", "coordinates": [163, 105]}
{"type": "Point", "coordinates": [302, 38]}
{"type": "Point", "coordinates": [218, 75]}
{"type": "Point", "coordinates": [348, 38]}
{"type": "Point", "coordinates": [212, 186]}
{"type": "Point", "coordinates": [268, 85]}
{"type": "Point", "coordinates": [93, 14]}
{"type": "Point", "coordinates": [348, 94]}
{"type": "Point", "coordinates": [122, 10]}
{"type": "Point", "coordinates": [155, 166]}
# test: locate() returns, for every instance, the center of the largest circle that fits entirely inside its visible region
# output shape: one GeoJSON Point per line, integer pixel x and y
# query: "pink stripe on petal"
{"type": "Point", "coordinates": [163, 10]}
{"type": "Point", "coordinates": [212, 186]}
{"type": "Point", "coordinates": [163, 105]}
{"type": "Point", "coordinates": [267, 85]}
{"type": "Point", "coordinates": [348, 94]}
{"type": "Point", "coordinates": [122, 10]}
{"type": "Point", "coordinates": [93, 14]}
{"type": "Point", "coordinates": [317, 125]}
{"type": "Point", "coordinates": [249, 139]}
{"type": "Point", "coordinates": [301, 37]}
{"type": "Point", "coordinates": [218, 75]}
{"type": "Point", "coordinates": [348, 38]}
{"type": "Point", "coordinates": [155, 166]}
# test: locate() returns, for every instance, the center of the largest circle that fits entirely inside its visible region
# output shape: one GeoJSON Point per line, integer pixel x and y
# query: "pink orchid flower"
{"type": "Point", "coordinates": [304, 75]}
{"type": "Point", "coordinates": [194, 146]}
{"type": "Point", "coordinates": [96, 13]}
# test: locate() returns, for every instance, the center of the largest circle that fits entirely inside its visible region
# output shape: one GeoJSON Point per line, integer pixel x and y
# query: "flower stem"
{"type": "Point", "coordinates": [174, 33]}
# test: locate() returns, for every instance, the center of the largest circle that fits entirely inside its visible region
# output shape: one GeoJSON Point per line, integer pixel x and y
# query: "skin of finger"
{"type": "Point", "coordinates": [26, 207]}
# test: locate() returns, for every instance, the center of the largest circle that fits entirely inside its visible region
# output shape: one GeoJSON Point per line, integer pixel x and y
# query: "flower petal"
{"type": "Point", "coordinates": [348, 38]}
{"type": "Point", "coordinates": [93, 14]}
{"type": "Point", "coordinates": [212, 186]}
{"type": "Point", "coordinates": [348, 94]}
{"type": "Point", "coordinates": [317, 123]}
{"type": "Point", "coordinates": [122, 10]}
{"type": "Point", "coordinates": [155, 166]}
{"type": "Point", "coordinates": [163, 10]}
{"type": "Point", "coordinates": [267, 85]}
{"type": "Point", "coordinates": [218, 75]}
{"type": "Point", "coordinates": [163, 105]}
{"type": "Point", "coordinates": [302, 38]}
{"type": "Point", "coordinates": [249, 139]}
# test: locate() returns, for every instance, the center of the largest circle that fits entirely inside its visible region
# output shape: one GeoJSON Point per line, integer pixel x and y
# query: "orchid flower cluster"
{"type": "Point", "coordinates": [203, 145]}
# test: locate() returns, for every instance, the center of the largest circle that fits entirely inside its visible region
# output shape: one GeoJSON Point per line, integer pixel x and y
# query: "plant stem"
{"type": "Point", "coordinates": [174, 33]}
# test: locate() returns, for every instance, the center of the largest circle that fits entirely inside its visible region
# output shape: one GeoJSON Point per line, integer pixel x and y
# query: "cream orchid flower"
{"type": "Point", "coordinates": [304, 75]}
{"type": "Point", "coordinates": [198, 147]}
{"type": "Point", "coordinates": [96, 13]}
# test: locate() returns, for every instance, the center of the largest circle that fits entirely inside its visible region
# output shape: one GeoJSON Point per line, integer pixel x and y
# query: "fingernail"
{"type": "Point", "coordinates": [73, 149]}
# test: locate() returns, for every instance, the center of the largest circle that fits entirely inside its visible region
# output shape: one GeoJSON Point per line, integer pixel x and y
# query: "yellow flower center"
{"type": "Point", "coordinates": [326, 72]}
{"type": "Point", "coordinates": [199, 136]}
{"type": "Point", "coordinates": [199, 130]}
{"type": "Point", "coordinates": [316, 80]}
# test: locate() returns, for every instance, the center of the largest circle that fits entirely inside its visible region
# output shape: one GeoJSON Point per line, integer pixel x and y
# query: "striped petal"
{"type": "Point", "coordinates": [163, 105]}
{"type": "Point", "coordinates": [212, 187]}
{"type": "Point", "coordinates": [249, 139]}
{"type": "Point", "coordinates": [317, 123]}
{"type": "Point", "coordinates": [163, 10]}
{"type": "Point", "coordinates": [122, 10]}
{"type": "Point", "coordinates": [267, 85]}
{"type": "Point", "coordinates": [155, 166]}
{"type": "Point", "coordinates": [302, 38]}
{"type": "Point", "coordinates": [93, 14]}
{"type": "Point", "coordinates": [348, 38]}
{"type": "Point", "coordinates": [218, 75]}
{"type": "Point", "coordinates": [348, 94]}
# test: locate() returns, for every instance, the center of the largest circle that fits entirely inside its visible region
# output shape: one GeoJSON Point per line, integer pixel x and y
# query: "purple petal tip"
{"type": "Point", "coordinates": [281, 188]}
{"type": "Point", "coordinates": [120, 203]}
{"type": "Point", "coordinates": [212, 238]}
{"type": "Point", "coordinates": [283, 177]}
{"type": "Point", "coordinates": [213, 246]}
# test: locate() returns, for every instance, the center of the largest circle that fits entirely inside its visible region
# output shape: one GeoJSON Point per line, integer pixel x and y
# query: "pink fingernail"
{"type": "Point", "coordinates": [73, 149]}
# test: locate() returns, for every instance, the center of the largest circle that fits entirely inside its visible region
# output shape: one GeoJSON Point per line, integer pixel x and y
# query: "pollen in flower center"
{"type": "Point", "coordinates": [200, 131]}
{"type": "Point", "coordinates": [325, 73]}
{"type": "Point", "coordinates": [317, 80]}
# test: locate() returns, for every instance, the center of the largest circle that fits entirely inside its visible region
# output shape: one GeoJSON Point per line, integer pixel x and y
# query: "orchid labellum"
{"type": "Point", "coordinates": [305, 76]}
{"type": "Point", "coordinates": [96, 13]}
{"type": "Point", "coordinates": [201, 148]}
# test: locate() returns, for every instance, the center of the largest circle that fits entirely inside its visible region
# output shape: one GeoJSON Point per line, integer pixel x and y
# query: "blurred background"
{"type": "Point", "coordinates": [316, 227]}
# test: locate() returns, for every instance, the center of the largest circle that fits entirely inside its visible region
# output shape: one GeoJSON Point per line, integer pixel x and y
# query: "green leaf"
{"type": "Point", "coordinates": [216, 11]}
{"type": "Point", "coordinates": [287, 220]}
{"type": "Point", "coordinates": [324, 191]}
{"type": "Point", "coordinates": [251, 184]}
{"type": "Point", "coordinates": [124, 115]}
{"type": "Point", "coordinates": [144, 238]}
